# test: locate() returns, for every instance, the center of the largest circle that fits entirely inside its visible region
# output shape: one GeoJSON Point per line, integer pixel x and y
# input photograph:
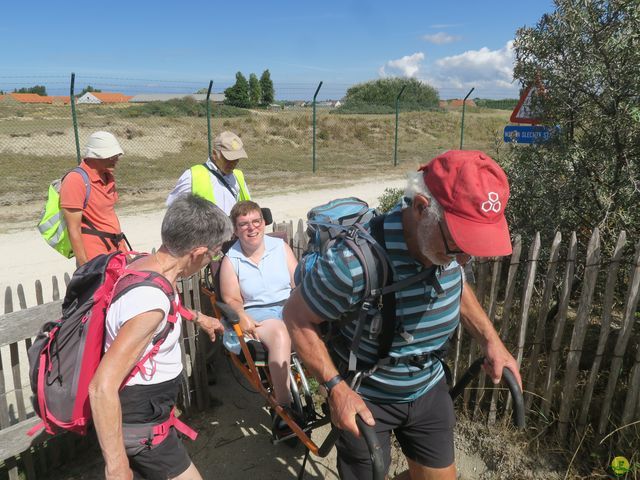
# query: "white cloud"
{"type": "Point", "coordinates": [407, 66]}
{"type": "Point", "coordinates": [484, 69]}
{"type": "Point", "coordinates": [441, 38]}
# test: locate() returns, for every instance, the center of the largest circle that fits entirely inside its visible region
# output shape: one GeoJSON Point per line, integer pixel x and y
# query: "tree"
{"type": "Point", "coordinates": [37, 89]}
{"type": "Point", "coordinates": [383, 93]}
{"type": "Point", "coordinates": [238, 94]}
{"type": "Point", "coordinates": [266, 85]}
{"type": "Point", "coordinates": [255, 91]}
{"type": "Point", "coordinates": [88, 88]}
{"type": "Point", "coordinates": [585, 57]}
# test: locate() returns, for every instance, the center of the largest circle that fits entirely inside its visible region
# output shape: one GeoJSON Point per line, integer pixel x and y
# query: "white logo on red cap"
{"type": "Point", "coordinates": [493, 204]}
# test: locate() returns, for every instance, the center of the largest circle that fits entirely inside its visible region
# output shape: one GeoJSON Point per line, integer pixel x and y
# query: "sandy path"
{"type": "Point", "coordinates": [27, 258]}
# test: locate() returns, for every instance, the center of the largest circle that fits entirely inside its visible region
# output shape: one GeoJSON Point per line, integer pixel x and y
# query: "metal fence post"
{"type": "Point", "coordinates": [395, 147]}
{"type": "Point", "coordinates": [72, 100]}
{"type": "Point", "coordinates": [464, 106]}
{"type": "Point", "coordinates": [313, 167]}
{"type": "Point", "coordinates": [209, 117]}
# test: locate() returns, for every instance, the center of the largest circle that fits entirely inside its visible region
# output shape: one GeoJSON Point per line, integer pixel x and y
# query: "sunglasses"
{"type": "Point", "coordinates": [449, 251]}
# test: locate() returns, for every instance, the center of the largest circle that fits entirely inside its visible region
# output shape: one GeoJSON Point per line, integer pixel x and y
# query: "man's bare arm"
{"type": "Point", "coordinates": [302, 324]}
{"type": "Point", "coordinates": [123, 354]}
{"type": "Point", "coordinates": [73, 219]}
{"type": "Point", "coordinates": [477, 323]}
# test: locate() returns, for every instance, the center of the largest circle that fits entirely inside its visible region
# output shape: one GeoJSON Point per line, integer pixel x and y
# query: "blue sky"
{"type": "Point", "coordinates": [167, 46]}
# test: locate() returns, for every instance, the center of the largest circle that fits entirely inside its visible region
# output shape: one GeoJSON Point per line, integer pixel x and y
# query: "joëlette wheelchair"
{"type": "Point", "coordinates": [251, 362]}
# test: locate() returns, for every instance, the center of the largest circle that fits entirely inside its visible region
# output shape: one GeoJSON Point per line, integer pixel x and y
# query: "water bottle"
{"type": "Point", "coordinates": [230, 341]}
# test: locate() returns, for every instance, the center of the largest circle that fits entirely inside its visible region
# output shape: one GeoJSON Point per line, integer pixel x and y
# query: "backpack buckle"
{"type": "Point", "coordinates": [375, 325]}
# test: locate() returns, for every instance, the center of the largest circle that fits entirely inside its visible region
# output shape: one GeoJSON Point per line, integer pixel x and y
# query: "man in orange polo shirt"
{"type": "Point", "coordinates": [94, 229]}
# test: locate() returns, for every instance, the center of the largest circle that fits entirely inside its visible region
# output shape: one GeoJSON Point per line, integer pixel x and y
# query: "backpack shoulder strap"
{"type": "Point", "coordinates": [127, 282]}
{"type": "Point", "coordinates": [222, 180]}
{"type": "Point", "coordinates": [389, 318]}
{"type": "Point", "coordinates": [87, 184]}
{"type": "Point", "coordinates": [376, 274]}
{"type": "Point", "coordinates": [387, 331]}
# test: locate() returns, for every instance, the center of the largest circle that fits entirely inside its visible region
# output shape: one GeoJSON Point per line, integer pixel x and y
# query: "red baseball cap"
{"type": "Point", "coordinates": [473, 191]}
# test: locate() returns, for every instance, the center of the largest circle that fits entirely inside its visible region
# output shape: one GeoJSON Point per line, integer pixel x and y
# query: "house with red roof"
{"type": "Point", "coordinates": [16, 98]}
{"type": "Point", "coordinates": [104, 97]}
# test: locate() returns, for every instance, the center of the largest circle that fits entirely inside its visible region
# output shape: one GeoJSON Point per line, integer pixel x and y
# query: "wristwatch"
{"type": "Point", "coordinates": [329, 384]}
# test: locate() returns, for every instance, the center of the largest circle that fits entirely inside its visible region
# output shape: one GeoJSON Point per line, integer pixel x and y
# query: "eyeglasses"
{"type": "Point", "coordinates": [450, 252]}
{"type": "Point", "coordinates": [255, 223]}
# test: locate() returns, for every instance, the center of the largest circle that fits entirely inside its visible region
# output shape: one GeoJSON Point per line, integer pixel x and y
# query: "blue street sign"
{"type": "Point", "coordinates": [528, 133]}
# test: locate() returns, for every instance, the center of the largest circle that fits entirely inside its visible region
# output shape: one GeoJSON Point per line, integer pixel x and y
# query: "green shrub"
{"type": "Point", "coordinates": [182, 107]}
{"type": "Point", "coordinates": [379, 96]}
{"type": "Point", "coordinates": [389, 198]}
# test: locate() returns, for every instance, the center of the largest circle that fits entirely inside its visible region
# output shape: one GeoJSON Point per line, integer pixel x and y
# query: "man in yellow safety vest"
{"type": "Point", "coordinates": [218, 180]}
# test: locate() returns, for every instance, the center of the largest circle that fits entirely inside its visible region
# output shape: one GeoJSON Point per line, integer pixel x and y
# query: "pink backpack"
{"type": "Point", "coordinates": [67, 351]}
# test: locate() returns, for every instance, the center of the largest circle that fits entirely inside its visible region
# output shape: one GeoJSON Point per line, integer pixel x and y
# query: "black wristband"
{"type": "Point", "coordinates": [329, 384]}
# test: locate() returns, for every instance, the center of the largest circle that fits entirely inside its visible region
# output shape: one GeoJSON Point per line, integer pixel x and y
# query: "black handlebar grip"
{"type": "Point", "coordinates": [507, 376]}
{"type": "Point", "coordinates": [370, 437]}
{"type": "Point", "coordinates": [330, 441]}
{"type": "Point", "coordinates": [375, 450]}
{"type": "Point", "coordinates": [518, 401]}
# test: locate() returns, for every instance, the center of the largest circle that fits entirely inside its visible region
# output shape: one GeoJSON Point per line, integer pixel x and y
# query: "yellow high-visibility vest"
{"type": "Point", "coordinates": [201, 184]}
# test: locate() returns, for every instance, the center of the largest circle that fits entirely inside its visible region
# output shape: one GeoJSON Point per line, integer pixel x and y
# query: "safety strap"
{"type": "Point", "coordinates": [149, 435]}
{"type": "Point", "coordinates": [115, 238]}
{"type": "Point", "coordinates": [161, 431]}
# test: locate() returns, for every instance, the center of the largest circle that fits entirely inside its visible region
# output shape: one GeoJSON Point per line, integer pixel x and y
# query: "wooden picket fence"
{"type": "Point", "coordinates": [576, 342]}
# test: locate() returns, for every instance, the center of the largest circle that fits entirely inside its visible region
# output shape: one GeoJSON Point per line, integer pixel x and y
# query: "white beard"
{"type": "Point", "coordinates": [425, 230]}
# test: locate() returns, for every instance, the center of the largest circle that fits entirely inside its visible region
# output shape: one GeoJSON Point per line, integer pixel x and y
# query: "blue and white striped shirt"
{"type": "Point", "coordinates": [334, 289]}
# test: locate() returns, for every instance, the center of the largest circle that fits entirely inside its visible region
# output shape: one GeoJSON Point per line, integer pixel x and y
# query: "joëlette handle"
{"type": "Point", "coordinates": [370, 437]}
{"type": "Point", "coordinates": [507, 377]}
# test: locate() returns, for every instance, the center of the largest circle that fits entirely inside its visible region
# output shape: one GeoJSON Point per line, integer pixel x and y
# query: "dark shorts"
{"type": "Point", "coordinates": [423, 427]}
{"type": "Point", "coordinates": [153, 403]}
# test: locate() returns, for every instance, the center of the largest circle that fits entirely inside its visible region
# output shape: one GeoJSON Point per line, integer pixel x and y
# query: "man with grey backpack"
{"type": "Point", "coordinates": [394, 304]}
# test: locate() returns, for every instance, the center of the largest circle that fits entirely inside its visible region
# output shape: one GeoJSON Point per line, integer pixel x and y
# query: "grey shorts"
{"type": "Point", "coordinates": [152, 404]}
{"type": "Point", "coordinates": [423, 427]}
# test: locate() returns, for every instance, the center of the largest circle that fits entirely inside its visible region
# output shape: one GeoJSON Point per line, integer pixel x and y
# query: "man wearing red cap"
{"type": "Point", "coordinates": [453, 209]}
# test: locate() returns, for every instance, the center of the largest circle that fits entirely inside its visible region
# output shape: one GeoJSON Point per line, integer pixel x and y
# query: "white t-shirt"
{"type": "Point", "coordinates": [142, 299]}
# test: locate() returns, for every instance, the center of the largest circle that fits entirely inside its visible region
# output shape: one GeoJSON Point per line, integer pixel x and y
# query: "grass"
{"type": "Point", "coordinates": [37, 145]}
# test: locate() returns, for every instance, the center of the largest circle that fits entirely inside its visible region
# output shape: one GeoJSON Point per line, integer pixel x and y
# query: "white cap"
{"type": "Point", "coordinates": [102, 145]}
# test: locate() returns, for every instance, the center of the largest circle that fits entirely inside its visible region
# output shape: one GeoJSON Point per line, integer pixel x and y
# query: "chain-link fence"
{"type": "Point", "coordinates": [162, 127]}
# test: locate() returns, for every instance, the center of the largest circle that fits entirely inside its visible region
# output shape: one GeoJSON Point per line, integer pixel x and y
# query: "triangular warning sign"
{"type": "Point", "coordinates": [524, 111]}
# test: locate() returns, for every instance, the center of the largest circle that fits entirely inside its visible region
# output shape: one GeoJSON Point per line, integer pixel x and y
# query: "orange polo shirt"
{"type": "Point", "coordinates": [100, 210]}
